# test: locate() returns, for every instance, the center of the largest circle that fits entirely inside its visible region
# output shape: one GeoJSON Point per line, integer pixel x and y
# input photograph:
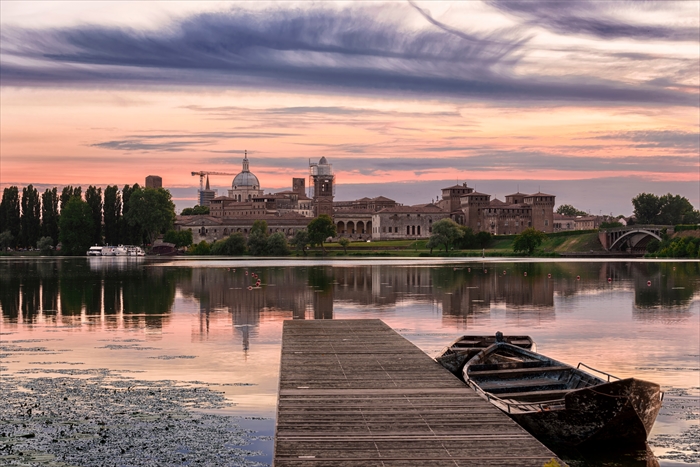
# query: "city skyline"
{"type": "Point", "coordinates": [593, 101]}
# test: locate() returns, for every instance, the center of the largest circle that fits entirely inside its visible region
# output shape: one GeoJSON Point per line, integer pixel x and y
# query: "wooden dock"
{"type": "Point", "coordinates": [355, 393]}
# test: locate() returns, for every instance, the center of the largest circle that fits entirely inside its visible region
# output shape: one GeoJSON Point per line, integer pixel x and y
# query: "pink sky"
{"type": "Point", "coordinates": [495, 94]}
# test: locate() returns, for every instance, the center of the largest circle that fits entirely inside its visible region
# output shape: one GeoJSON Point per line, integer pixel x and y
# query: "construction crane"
{"type": "Point", "coordinates": [203, 174]}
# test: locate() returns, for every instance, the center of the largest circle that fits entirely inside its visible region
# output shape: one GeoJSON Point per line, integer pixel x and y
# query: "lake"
{"type": "Point", "coordinates": [155, 361]}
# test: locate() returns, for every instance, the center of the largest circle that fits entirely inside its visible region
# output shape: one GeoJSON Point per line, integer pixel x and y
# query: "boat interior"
{"type": "Point", "coordinates": [526, 378]}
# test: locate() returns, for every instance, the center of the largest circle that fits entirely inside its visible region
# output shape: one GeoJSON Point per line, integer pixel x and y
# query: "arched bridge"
{"type": "Point", "coordinates": [633, 238]}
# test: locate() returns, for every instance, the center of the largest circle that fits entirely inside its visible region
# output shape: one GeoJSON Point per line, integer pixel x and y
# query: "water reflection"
{"type": "Point", "coordinates": [66, 292]}
{"type": "Point", "coordinates": [567, 306]}
{"type": "Point", "coordinates": [142, 293]}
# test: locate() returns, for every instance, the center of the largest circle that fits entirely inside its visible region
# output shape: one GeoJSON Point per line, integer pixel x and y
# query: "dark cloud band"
{"type": "Point", "coordinates": [353, 51]}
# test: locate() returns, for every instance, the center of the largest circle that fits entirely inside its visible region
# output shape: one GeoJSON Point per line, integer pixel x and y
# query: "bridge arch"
{"type": "Point", "coordinates": [637, 239]}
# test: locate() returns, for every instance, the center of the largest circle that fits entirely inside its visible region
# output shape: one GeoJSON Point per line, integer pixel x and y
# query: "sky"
{"type": "Point", "coordinates": [591, 101]}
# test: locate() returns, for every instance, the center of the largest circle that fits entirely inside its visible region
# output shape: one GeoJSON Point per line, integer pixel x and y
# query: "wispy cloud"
{"type": "Point", "coordinates": [604, 20]}
{"type": "Point", "coordinates": [359, 50]}
{"type": "Point", "coordinates": [655, 139]}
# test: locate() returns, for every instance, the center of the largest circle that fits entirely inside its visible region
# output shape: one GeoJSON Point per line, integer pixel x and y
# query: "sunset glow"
{"type": "Point", "coordinates": [402, 98]}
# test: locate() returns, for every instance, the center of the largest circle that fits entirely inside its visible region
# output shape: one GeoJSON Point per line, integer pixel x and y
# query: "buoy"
{"type": "Point", "coordinates": [549, 276]}
{"type": "Point", "coordinates": [469, 269]}
{"type": "Point", "coordinates": [525, 274]}
{"type": "Point", "coordinates": [250, 287]}
{"type": "Point", "coordinates": [649, 283]}
{"type": "Point", "coordinates": [578, 278]}
{"type": "Point", "coordinates": [485, 271]}
{"type": "Point", "coordinates": [454, 269]}
{"type": "Point", "coordinates": [246, 273]}
{"type": "Point", "coordinates": [504, 272]}
{"type": "Point", "coordinates": [609, 279]}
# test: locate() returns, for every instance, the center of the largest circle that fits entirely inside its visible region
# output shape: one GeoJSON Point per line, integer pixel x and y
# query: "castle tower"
{"type": "Point", "coordinates": [299, 186]}
{"type": "Point", "coordinates": [322, 179]}
{"type": "Point", "coordinates": [473, 206]}
{"type": "Point", "coordinates": [542, 211]}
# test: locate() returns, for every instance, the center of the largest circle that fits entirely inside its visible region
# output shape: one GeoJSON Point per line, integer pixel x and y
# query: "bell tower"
{"type": "Point", "coordinates": [323, 181]}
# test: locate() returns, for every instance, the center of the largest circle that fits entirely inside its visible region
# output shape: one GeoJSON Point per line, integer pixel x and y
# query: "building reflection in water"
{"type": "Point", "coordinates": [121, 293]}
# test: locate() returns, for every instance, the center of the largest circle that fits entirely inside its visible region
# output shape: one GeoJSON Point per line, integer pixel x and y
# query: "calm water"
{"type": "Point", "coordinates": [183, 323]}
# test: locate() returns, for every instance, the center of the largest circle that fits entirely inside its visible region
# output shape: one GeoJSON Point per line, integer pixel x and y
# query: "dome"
{"type": "Point", "coordinates": [323, 160]}
{"type": "Point", "coordinates": [246, 179]}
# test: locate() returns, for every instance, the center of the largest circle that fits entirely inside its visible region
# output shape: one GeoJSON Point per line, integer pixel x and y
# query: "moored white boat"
{"type": "Point", "coordinates": [95, 251]}
{"type": "Point", "coordinates": [119, 250]}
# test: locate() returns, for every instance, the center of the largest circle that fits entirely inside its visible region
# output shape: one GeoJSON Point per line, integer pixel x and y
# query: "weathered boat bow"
{"type": "Point", "coordinates": [561, 404]}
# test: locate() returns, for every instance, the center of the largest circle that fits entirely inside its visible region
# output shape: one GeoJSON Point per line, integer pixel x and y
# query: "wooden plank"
{"type": "Point", "coordinates": [355, 393]}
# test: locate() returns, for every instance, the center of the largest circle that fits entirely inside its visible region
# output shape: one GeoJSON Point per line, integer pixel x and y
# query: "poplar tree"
{"type": "Point", "coordinates": [49, 214]}
{"type": "Point", "coordinates": [129, 234]}
{"type": "Point", "coordinates": [93, 197]}
{"type": "Point", "coordinates": [10, 214]}
{"type": "Point", "coordinates": [76, 227]}
{"type": "Point", "coordinates": [30, 222]}
{"type": "Point", "coordinates": [67, 193]}
{"type": "Point", "coordinates": [112, 215]}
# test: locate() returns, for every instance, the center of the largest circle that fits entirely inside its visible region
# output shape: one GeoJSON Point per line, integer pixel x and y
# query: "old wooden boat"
{"type": "Point", "coordinates": [456, 354]}
{"type": "Point", "coordinates": [560, 404]}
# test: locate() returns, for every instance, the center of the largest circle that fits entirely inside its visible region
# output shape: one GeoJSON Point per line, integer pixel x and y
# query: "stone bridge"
{"type": "Point", "coordinates": [633, 238]}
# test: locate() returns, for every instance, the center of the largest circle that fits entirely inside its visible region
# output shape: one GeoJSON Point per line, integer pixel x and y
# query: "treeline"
{"type": "Point", "coordinates": [678, 247]}
{"type": "Point", "coordinates": [132, 215]}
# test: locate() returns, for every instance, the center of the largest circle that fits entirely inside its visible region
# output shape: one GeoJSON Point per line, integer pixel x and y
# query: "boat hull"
{"type": "Point", "coordinates": [620, 412]}
{"type": "Point", "coordinates": [562, 405]}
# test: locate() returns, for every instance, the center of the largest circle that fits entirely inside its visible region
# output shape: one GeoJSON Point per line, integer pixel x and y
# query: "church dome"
{"type": "Point", "coordinates": [245, 180]}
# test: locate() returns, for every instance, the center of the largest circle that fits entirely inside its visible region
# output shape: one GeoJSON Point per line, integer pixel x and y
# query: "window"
{"type": "Point", "coordinates": [396, 230]}
{"type": "Point", "coordinates": [419, 230]}
{"type": "Point", "coordinates": [408, 230]}
{"type": "Point", "coordinates": [546, 222]}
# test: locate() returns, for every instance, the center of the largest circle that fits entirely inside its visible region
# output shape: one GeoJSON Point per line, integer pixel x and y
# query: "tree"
{"type": "Point", "coordinates": [647, 207]}
{"type": "Point", "coordinates": [300, 241]}
{"type": "Point", "coordinates": [667, 209]}
{"type": "Point", "coordinates": [201, 248]}
{"type": "Point", "coordinates": [483, 239]}
{"type": "Point", "coordinates": [344, 242]}
{"type": "Point", "coordinates": [152, 211]}
{"type": "Point", "coordinates": [446, 232]}
{"type": "Point", "coordinates": [676, 210]}
{"type": "Point", "coordinates": [434, 242]}
{"type": "Point", "coordinates": [93, 197]}
{"type": "Point", "coordinates": [6, 240]}
{"type": "Point", "coordinates": [528, 240]}
{"type": "Point", "coordinates": [233, 245]}
{"type": "Point", "coordinates": [10, 211]}
{"type": "Point", "coordinates": [320, 229]}
{"type": "Point", "coordinates": [45, 244]}
{"type": "Point", "coordinates": [277, 245]}
{"type": "Point", "coordinates": [129, 233]}
{"type": "Point", "coordinates": [30, 222]}
{"type": "Point", "coordinates": [75, 227]}
{"type": "Point", "coordinates": [257, 239]}
{"type": "Point", "coordinates": [49, 214]}
{"type": "Point", "coordinates": [67, 193]}
{"type": "Point", "coordinates": [195, 211]}
{"type": "Point", "coordinates": [467, 240]}
{"type": "Point", "coordinates": [569, 210]}
{"type": "Point", "coordinates": [112, 215]}
{"type": "Point", "coordinates": [179, 238]}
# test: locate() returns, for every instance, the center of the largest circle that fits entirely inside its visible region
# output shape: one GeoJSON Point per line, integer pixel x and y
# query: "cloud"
{"type": "Point", "coordinates": [486, 161]}
{"type": "Point", "coordinates": [656, 139]}
{"type": "Point", "coordinates": [603, 20]}
{"type": "Point", "coordinates": [176, 142]}
{"type": "Point", "coordinates": [358, 50]}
